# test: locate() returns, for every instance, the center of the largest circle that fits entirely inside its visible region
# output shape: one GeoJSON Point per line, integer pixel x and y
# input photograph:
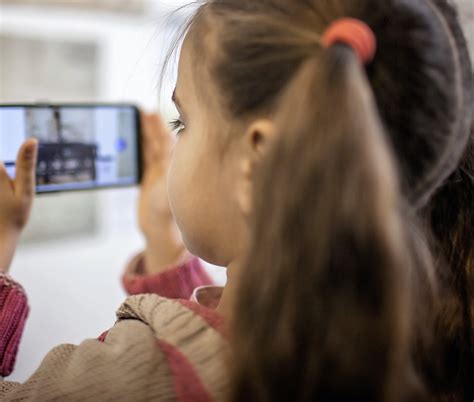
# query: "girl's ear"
{"type": "Point", "coordinates": [259, 135]}
{"type": "Point", "coordinates": [257, 139]}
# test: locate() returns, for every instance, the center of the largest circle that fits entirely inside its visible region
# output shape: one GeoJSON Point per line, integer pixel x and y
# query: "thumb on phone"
{"type": "Point", "coordinates": [26, 170]}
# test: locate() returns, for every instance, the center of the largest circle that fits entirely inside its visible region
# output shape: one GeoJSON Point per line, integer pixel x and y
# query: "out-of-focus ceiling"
{"type": "Point", "coordinates": [121, 6]}
{"type": "Point", "coordinates": [124, 7]}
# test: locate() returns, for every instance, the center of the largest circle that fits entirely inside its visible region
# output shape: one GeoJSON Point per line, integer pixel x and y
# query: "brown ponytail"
{"type": "Point", "coordinates": [325, 290]}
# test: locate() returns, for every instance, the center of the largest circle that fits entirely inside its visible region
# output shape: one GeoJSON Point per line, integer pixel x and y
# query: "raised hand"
{"type": "Point", "coordinates": [164, 243]}
{"type": "Point", "coordinates": [16, 200]}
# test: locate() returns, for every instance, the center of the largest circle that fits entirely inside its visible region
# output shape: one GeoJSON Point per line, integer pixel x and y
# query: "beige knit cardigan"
{"type": "Point", "coordinates": [159, 349]}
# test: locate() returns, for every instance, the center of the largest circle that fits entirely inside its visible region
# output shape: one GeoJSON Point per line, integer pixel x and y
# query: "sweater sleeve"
{"type": "Point", "coordinates": [159, 349]}
{"type": "Point", "coordinates": [126, 365]}
{"type": "Point", "coordinates": [175, 281]}
{"type": "Point", "coordinates": [13, 313]}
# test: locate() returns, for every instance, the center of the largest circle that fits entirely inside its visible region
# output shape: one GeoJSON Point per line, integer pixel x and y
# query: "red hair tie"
{"type": "Point", "coordinates": [354, 33]}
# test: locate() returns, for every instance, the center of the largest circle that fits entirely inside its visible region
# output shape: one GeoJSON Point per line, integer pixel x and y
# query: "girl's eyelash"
{"type": "Point", "coordinates": [176, 126]}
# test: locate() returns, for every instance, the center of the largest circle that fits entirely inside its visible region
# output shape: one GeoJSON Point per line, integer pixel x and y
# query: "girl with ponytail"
{"type": "Point", "coordinates": [323, 147]}
{"type": "Point", "coordinates": [421, 80]}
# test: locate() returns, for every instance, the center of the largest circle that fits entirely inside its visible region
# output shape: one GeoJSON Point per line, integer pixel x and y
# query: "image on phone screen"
{"type": "Point", "coordinates": [80, 146]}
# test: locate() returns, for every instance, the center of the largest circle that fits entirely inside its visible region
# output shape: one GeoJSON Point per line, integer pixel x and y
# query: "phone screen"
{"type": "Point", "coordinates": [80, 146]}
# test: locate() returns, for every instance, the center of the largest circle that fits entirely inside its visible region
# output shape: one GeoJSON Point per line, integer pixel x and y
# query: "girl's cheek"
{"type": "Point", "coordinates": [170, 183]}
{"type": "Point", "coordinates": [176, 183]}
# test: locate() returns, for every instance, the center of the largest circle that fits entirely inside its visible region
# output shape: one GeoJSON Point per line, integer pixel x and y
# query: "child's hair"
{"type": "Point", "coordinates": [323, 303]}
{"type": "Point", "coordinates": [449, 217]}
{"type": "Point", "coordinates": [421, 79]}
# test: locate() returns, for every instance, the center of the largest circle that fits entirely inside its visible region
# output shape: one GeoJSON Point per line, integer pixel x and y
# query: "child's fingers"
{"type": "Point", "coordinates": [158, 133]}
{"type": "Point", "coordinates": [163, 139]}
{"type": "Point", "coordinates": [148, 140]}
{"type": "Point", "coordinates": [5, 181]}
{"type": "Point", "coordinates": [147, 131]}
{"type": "Point", "coordinates": [156, 139]}
{"type": "Point", "coordinates": [25, 169]}
{"type": "Point", "coordinates": [144, 139]}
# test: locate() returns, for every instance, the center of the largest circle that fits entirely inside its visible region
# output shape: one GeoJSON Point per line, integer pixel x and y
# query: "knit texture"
{"type": "Point", "coordinates": [13, 313]}
{"type": "Point", "coordinates": [174, 282]}
{"type": "Point", "coordinates": [159, 349]}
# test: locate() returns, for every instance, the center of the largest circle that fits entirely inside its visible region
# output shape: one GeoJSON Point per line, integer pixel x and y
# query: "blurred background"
{"type": "Point", "coordinates": [77, 245]}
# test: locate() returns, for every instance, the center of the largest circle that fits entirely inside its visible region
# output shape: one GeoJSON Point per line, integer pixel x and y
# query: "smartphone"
{"type": "Point", "coordinates": [81, 146]}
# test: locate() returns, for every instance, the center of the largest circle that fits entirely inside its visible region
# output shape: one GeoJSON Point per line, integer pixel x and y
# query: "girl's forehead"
{"type": "Point", "coordinates": [183, 93]}
{"type": "Point", "coordinates": [184, 83]}
{"type": "Point", "coordinates": [194, 84]}
{"type": "Point", "coordinates": [196, 87]}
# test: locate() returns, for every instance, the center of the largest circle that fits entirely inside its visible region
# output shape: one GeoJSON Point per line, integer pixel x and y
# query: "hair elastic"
{"type": "Point", "coordinates": [354, 33]}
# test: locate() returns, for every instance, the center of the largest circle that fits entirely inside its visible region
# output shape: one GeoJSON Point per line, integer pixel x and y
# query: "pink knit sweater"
{"type": "Point", "coordinates": [175, 281]}
{"type": "Point", "coordinates": [13, 313]}
{"type": "Point", "coordinates": [191, 370]}
{"type": "Point", "coordinates": [185, 280]}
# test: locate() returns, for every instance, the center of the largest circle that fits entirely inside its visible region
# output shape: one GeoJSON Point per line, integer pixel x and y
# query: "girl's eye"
{"type": "Point", "coordinates": [177, 126]}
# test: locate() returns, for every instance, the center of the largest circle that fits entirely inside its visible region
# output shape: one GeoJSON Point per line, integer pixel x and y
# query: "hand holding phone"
{"type": "Point", "coordinates": [81, 146]}
{"type": "Point", "coordinates": [164, 245]}
{"type": "Point", "coordinates": [154, 209]}
{"type": "Point", "coordinates": [16, 200]}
